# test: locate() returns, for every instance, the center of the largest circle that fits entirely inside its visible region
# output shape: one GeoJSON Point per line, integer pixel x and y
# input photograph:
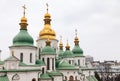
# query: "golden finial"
{"type": "Point", "coordinates": [12, 53]}
{"type": "Point", "coordinates": [67, 46]}
{"type": "Point", "coordinates": [23, 22]}
{"type": "Point", "coordinates": [47, 7]}
{"type": "Point", "coordinates": [24, 8]}
{"type": "Point", "coordinates": [61, 44]}
{"type": "Point", "coordinates": [76, 38]}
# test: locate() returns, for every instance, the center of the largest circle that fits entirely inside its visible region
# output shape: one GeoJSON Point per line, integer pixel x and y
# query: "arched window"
{"type": "Point", "coordinates": [48, 64]}
{"type": "Point", "coordinates": [78, 62]}
{"type": "Point", "coordinates": [69, 61]}
{"type": "Point", "coordinates": [43, 60]}
{"type": "Point", "coordinates": [71, 78]}
{"type": "Point", "coordinates": [43, 70]}
{"type": "Point", "coordinates": [52, 63]}
{"type": "Point", "coordinates": [39, 52]}
{"type": "Point", "coordinates": [65, 78]}
{"type": "Point", "coordinates": [33, 79]}
{"type": "Point", "coordinates": [21, 57]}
{"type": "Point", "coordinates": [30, 57]}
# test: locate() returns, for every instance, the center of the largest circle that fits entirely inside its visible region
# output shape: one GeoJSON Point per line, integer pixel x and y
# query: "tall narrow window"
{"type": "Point", "coordinates": [48, 63]}
{"type": "Point", "coordinates": [78, 62]}
{"type": "Point", "coordinates": [52, 63]}
{"type": "Point", "coordinates": [69, 61]}
{"type": "Point", "coordinates": [30, 57]}
{"type": "Point", "coordinates": [21, 57]}
{"type": "Point", "coordinates": [43, 70]}
{"type": "Point", "coordinates": [43, 60]}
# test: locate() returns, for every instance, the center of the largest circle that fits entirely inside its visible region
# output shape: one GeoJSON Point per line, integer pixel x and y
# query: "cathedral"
{"type": "Point", "coordinates": [47, 61]}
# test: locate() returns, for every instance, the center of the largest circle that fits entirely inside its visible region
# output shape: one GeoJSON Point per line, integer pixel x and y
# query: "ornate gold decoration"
{"type": "Point", "coordinates": [61, 44]}
{"type": "Point", "coordinates": [67, 46]}
{"type": "Point", "coordinates": [47, 31]}
{"type": "Point", "coordinates": [23, 22]}
{"type": "Point", "coordinates": [76, 38]}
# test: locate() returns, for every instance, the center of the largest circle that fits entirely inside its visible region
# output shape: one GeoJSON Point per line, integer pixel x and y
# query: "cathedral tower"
{"type": "Point", "coordinates": [23, 46]}
{"type": "Point", "coordinates": [46, 32]}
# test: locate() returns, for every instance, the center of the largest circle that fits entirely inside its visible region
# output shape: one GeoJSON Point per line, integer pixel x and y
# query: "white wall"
{"type": "Point", "coordinates": [26, 53]}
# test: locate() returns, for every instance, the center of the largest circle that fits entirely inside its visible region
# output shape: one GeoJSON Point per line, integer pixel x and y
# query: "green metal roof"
{"type": "Point", "coordinates": [48, 50]}
{"type": "Point", "coordinates": [60, 53]}
{"type": "Point", "coordinates": [1, 62]}
{"type": "Point", "coordinates": [68, 54]}
{"type": "Point", "coordinates": [55, 73]}
{"type": "Point", "coordinates": [91, 78]}
{"type": "Point", "coordinates": [40, 62]}
{"type": "Point", "coordinates": [22, 64]}
{"type": "Point", "coordinates": [4, 78]}
{"type": "Point", "coordinates": [23, 39]}
{"type": "Point", "coordinates": [45, 76]}
{"type": "Point", "coordinates": [20, 70]}
{"type": "Point", "coordinates": [77, 51]}
{"type": "Point", "coordinates": [65, 65]}
{"type": "Point", "coordinates": [57, 63]}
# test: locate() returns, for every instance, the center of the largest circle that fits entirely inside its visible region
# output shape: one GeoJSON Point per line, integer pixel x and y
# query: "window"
{"type": "Point", "coordinates": [43, 70]}
{"type": "Point", "coordinates": [78, 62]}
{"type": "Point", "coordinates": [21, 57]}
{"type": "Point", "coordinates": [48, 64]}
{"type": "Point", "coordinates": [33, 79]}
{"type": "Point", "coordinates": [30, 57]}
{"type": "Point", "coordinates": [52, 63]}
{"type": "Point", "coordinates": [43, 60]}
{"type": "Point", "coordinates": [69, 61]}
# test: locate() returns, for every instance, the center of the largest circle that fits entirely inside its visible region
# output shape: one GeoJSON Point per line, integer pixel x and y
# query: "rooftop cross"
{"type": "Point", "coordinates": [24, 7]}
{"type": "Point", "coordinates": [47, 7]}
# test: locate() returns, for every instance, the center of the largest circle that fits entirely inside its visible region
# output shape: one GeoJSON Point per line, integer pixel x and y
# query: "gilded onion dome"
{"type": "Point", "coordinates": [77, 51]}
{"type": "Point", "coordinates": [23, 38]}
{"type": "Point", "coordinates": [47, 31]}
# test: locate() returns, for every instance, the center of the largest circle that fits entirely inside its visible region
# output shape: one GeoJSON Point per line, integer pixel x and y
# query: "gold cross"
{"type": "Point", "coordinates": [24, 7]}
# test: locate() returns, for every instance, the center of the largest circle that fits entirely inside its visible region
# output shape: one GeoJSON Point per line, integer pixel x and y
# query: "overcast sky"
{"type": "Point", "coordinates": [97, 22]}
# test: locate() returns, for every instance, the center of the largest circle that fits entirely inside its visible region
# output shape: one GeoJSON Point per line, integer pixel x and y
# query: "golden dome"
{"type": "Point", "coordinates": [23, 19]}
{"type": "Point", "coordinates": [47, 15]}
{"type": "Point", "coordinates": [47, 31]}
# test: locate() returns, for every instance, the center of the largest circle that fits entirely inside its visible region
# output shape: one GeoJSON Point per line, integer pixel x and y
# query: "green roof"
{"type": "Point", "coordinates": [60, 54]}
{"type": "Point", "coordinates": [1, 62]}
{"type": "Point", "coordinates": [22, 64]}
{"type": "Point", "coordinates": [55, 73]}
{"type": "Point", "coordinates": [23, 39]}
{"type": "Point", "coordinates": [65, 65]}
{"type": "Point", "coordinates": [44, 76]}
{"type": "Point", "coordinates": [68, 54]}
{"type": "Point", "coordinates": [40, 62]}
{"type": "Point", "coordinates": [48, 50]}
{"type": "Point", "coordinates": [77, 51]}
{"type": "Point", "coordinates": [57, 63]}
{"type": "Point", "coordinates": [4, 78]}
{"type": "Point", "coordinates": [91, 78]}
{"type": "Point", "coordinates": [20, 70]}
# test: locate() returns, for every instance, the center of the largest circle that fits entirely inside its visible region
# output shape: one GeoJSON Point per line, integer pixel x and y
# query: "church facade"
{"type": "Point", "coordinates": [47, 61]}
